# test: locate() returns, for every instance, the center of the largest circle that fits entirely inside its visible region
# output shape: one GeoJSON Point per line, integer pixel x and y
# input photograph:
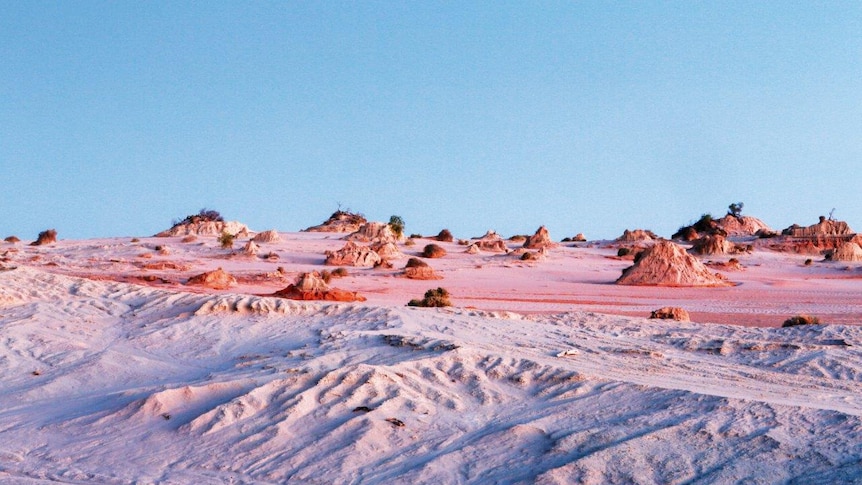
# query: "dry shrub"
{"type": "Point", "coordinates": [340, 272]}
{"type": "Point", "coordinates": [45, 237]}
{"type": "Point", "coordinates": [445, 236]}
{"type": "Point", "coordinates": [433, 298]}
{"type": "Point", "coordinates": [416, 263]}
{"type": "Point", "coordinates": [529, 256]}
{"type": "Point", "coordinates": [12, 239]}
{"type": "Point", "coordinates": [190, 238]}
{"type": "Point", "coordinates": [801, 320]}
{"type": "Point", "coordinates": [226, 240]}
{"type": "Point", "coordinates": [433, 251]}
{"type": "Point", "coordinates": [410, 242]}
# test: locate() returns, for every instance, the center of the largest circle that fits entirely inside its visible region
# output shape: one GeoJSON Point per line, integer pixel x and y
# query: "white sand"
{"type": "Point", "coordinates": [112, 382]}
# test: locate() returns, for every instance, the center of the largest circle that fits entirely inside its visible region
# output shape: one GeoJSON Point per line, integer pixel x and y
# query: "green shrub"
{"type": "Point", "coordinates": [433, 298]}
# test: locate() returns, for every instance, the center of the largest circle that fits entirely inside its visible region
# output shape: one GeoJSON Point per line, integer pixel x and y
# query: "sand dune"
{"type": "Point", "coordinates": [117, 379]}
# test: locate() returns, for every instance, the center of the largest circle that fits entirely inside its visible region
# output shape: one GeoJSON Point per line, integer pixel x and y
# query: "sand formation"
{"type": "Point", "coordinates": [340, 221]}
{"type": "Point", "coordinates": [374, 232]}
{"type": "Point", "coordinates": [217, 280]}
{"type": "Point", "coordinates": [387, 250]}
{"type": "Point", "coordinates": [715, 245]}
{"type": "Point", "coordinates": [849, 251]}
{"type": "Point", "coordinates": [742, 225]}
{"type": "Point", "coordinates": [250, 249]}
{"type": "Point", "coordinates": [637, 235]}
{"type": "Point", "coordinates": [491, 241]}
{"type": "Point", "coordinates": [433, 251]}
{"type": "Point", "coordinates": [540, 240]}
{"type": "Point", "coordinates": [206, 228]}
{"type": "Point", "coordinates": [310, 286]}
{"type": "Point", "coordinates": [668, 264]}
{"type": "Point", "coordinates": [270, 236]}
{"type": "Point", "coordinates": [352, 254]}
{"type": "Point", "coordinates": [417, 269]}
{"type": "Point", "coordinates": [826, 227]}
{"type": "Point", "coordinates": [444, 236]}
{"type": "Point", "coordinates": [671, 313]}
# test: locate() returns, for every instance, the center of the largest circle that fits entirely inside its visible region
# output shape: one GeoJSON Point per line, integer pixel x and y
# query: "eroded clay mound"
{"type": "Point", "coordinates": [826, 227]}
{"type": "Point", "coordinates": [491, 241]}
{"type": "Point", "coordinates": [671, 313]}
{"type": "Point", "coordinates": [217, 280]}
{"type": "Point", "coordinates": [352, 254]}
{"type": "Point", "coordinates": [715, 245]}
{"type": "Point", "coordinates": [374, 232]}
{"type": "Point", "coordinates": [340, 221]}
{"type": "Point", "coordinates": [310, 286]}
{"type": "Point", "coordinates": [417, 269]}
{"type": "Point", "coordinates": [668, 264]}
{"type": "Point", "coordinates": [742, 226]}
{"type": "Point", "coordinates": [637, 235]}
{"type": "Point", "coordinates": [540, 240]}
{"type": "Point", "coordinates": [206, 228]}
{"type": "Point", "coordinates": [270, 236]}
{"type": "Point", "coordinates": [847, 251]}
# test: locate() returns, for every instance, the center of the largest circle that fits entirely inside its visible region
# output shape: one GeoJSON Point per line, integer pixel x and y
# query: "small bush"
{"type": "Point", "coordinates": [416, 263]}
{"type": "Point", "coordinates": [396, 223]}
{"type": "Point", "coordinates": [529, 256]}
{"type": "Point", "coordinates": [189, 238]}
{"type": "Point", "coordinates": [445, 236]}
{"type": "Point", "coordinates": [433, 251]}
{"type": "Point", "coordinates": [226, 240]}
{"type": "Point", "coordinates": [801, 320]}
{"type": "Point", "coordinates": [340, 272]}
{"type": "Point", "coordinates": [12, 239]}
{"type": "Point", "coordinates": [416, 236]}
{"type": "Point", "coordinates": [410, 242]}
{"type": "Point", "coordinates": [134, 240]}
{"type": "Point", "coordinates": [809, 262]}
{"type": "Point", "coordinates": [326, 276]}
{"type": "Point", "coordinates": [204, 215]}
{"type": "Point", "coordinates": [621, 252]}
{"type": "Point", "coordinates": [45, 237]}
{"type": "Point", "coordinates": [433, 298]}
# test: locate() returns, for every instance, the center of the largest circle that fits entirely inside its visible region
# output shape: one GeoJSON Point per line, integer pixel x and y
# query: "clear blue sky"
{"type": "Point", "coordinates": [593, 117]}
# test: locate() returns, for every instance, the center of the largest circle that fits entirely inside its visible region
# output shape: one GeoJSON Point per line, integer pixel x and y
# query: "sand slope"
{"type": "Point", "coordinates": [115, 383]}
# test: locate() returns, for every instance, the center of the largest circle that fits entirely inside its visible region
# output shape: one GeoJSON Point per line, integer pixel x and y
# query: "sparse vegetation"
{"type": "Point", "coordinates": [433, 251]}
{"type": "Point", "coordinates": [189, 238]}
{"type": "Point", "coordinates": [735, 209]}
{"type": "Point", "coordinates": [416, 236]}
{"type": "Point", "coordinates": [622, 252]}
{"type": "Point", "coordinates": [530, 256]}
{"type": "Point", "coordinates": [45, 237]}
{"type": "Point", "coordinates": [445, 236]}
{"type": "Point", "coordinates": [340, 272]}
{"type": "Point", "coordinates": [801, 320]}
{"type": "Point", "coordinates": [433, 298]}
{"type": "Point", "coordinates": [12, 239]}
{"type": "Point", "coordinates": [410, 242]}
{"type": "Point", "coordinates": [135, 240]}
{"type": "Point", "coordinates": [226, 240]}
{"type": "Point", "coordinates": [396, 223]}
{"type": "Point", "coordinates": [204, 215]}
{"type": "Point", "coordinates": [809, 262]}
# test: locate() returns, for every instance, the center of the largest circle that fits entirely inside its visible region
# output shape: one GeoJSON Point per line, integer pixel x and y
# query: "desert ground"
{"type": "Point", "coordinates": [118, 368]}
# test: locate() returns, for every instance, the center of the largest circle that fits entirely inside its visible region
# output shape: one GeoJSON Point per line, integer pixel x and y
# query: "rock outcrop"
{"type": "Point", "coordinates": [433, 251]}
{"type": "Point", "coordinates": [217, 280]}
{"type": "Point", "coordinates": [668, 264]}
{"type": "Point", "coordinates": [671, 313]}
{"type": "Point", "coordinates": [826, 227]}
{"type": "Point", "coordinates": [310, 286]}
{"type": "Point", "coordinates": [417, 269]}
{"type": "Point", "coordinates": [491, 241]}
{"type": "Point", "coordinates": [340, 221]}
{"type": "Point", "coordinates": [352, 254]}
{"type": "Point", "coordinates": [374, 232]}
{"type": "Point", "coordinates": [206, 228]}
{"type": "Point", "coordinates": [540, 240]}
{"type": "Point", "coordinates": [270, 236]}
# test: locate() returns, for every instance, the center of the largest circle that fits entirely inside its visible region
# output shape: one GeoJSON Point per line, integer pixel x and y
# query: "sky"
{"type": "Point", "coordinates": [119, 117]}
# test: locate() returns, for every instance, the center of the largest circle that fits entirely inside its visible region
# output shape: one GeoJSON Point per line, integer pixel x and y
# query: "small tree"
{"type": "Point", "coordinates": [735, 209]}
{"type": "Point", "coordinates": [396, 223]}
{"type": "Point", "coordinates": [433, 298]}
